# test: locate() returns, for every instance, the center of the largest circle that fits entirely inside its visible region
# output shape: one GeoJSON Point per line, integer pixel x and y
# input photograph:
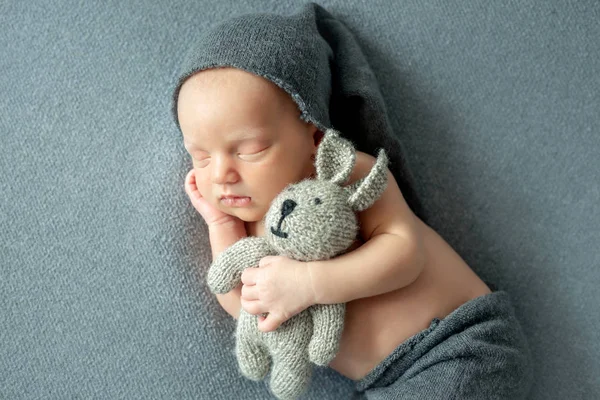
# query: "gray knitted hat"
{"type": "Point", "coordinates": [316, 59]}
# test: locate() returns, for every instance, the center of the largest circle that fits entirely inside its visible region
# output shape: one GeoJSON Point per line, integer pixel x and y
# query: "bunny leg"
{"type": "Point", "coordinates": [328, 324]}
{"type": "Point", "coordinates": [291, 374]}
{"type": "Point", "coordinates": [253, 357]}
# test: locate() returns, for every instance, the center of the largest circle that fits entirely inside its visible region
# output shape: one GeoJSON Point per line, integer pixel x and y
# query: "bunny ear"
{"type": "Point", "coordinates": [335, 158]}
{"type": "Point", "coordinates": [368, 189]}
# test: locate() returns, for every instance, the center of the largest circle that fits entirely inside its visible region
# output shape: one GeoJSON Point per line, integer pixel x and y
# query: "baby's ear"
{"type": "Point", "coordinates": [335, 158]}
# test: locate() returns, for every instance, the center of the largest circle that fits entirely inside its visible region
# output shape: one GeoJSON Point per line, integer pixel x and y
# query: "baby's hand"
{"type": "Point", "coordinates": [280, 286]}
{"type": "Point", "coordinates": [211, 215]}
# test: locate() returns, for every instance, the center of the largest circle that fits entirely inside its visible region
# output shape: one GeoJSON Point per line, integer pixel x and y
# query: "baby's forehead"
{"type": "Point", "coordinates": [234, 82]}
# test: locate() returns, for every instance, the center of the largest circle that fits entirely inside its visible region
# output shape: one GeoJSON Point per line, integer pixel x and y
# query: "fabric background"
{"type": "Point", "coordinates": [102, 259]}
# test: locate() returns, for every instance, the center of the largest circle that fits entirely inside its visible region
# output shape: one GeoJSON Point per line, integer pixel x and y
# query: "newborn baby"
{"type": "Point", "coordinates": [419, 322]}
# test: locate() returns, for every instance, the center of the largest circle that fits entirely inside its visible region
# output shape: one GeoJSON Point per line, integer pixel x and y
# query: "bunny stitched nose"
{"type": "Point", "coordinates": [286, 209]}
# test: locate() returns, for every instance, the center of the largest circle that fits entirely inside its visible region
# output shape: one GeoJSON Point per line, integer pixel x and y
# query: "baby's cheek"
{"type": "Point", "coordinates": [202, 178]}
{"type": "Point", "coordinates": [204, 188]}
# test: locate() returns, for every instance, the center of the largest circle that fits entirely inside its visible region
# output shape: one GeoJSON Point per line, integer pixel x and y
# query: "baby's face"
{"type": "Point", "coordinates": [245, 138]}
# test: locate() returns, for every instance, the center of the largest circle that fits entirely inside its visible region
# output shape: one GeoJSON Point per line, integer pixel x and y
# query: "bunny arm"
{"type": "Point", "coordinates": [328, 324]}
{"type": "Point", "coordinates": [225, 273]}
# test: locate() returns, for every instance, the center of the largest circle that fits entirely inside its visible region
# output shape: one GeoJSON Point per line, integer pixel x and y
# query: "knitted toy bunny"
{"type": "Point", "coordinates": [314, 219]}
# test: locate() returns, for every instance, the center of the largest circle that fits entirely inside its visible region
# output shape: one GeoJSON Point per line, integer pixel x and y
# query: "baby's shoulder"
{"type": "Point", "coordinates": [390, 213]}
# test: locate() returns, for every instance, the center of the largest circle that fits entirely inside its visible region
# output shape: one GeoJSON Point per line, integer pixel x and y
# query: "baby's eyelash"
{"type": "Point", "coordinates": [253, 154]}
{"type": "Point", "coordinates": [204, 160]}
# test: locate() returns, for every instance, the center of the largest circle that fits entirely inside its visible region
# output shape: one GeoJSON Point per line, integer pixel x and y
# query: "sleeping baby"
{"type": "Point", "coordinates": [252, 103]}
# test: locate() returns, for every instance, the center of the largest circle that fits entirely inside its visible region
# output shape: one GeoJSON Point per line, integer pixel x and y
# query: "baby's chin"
{"type": "Point", "coordinates": [246, 214]}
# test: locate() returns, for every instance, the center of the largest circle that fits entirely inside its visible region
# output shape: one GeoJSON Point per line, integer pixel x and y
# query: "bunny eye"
{"type": "Point", "coordinates": [317, 201]}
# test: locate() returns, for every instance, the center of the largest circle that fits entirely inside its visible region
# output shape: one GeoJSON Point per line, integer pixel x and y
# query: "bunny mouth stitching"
{"type": "Point", "coordinates": [278, 231]}
{"type": "Point", "coordinates": [286, 209]}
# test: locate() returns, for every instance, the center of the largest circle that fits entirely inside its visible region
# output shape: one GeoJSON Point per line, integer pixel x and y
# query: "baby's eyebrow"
{"type": "Point", "coordinates": [189, 147]}
{"type": "Point", "coordinates": [236, 139]}
{"type": "Point", "coordinates": [246, 134]}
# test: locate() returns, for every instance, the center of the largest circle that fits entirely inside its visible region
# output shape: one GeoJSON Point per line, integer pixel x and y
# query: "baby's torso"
{"type": "Point", "coordinates": [375, 326]}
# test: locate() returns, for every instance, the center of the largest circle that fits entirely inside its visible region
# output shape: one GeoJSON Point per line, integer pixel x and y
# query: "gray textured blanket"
{"type": "Point", "coordinates": [102, 259]}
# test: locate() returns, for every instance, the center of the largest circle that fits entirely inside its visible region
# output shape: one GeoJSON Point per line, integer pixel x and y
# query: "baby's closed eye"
{"type": "Point", "coordinates": [200, 162]}
{"type": "Point", "coordinates": [251, 154]}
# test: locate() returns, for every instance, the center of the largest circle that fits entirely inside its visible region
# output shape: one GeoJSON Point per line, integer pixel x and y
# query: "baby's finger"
{"type": "Point", "coordinates": [269, 324]}
{"type": "Point", "coordinates": [249, 292]}
{"type": "Point", "coordinates": [190, 178]}
{"type": "Point", "coordinates": [249, 276]}
{"type": "Point", "coordinates": [190, 185]}
{"type": "Point", "coordinates": [265, 261]}
{"type": "Point", "coordinates": [253, 307]}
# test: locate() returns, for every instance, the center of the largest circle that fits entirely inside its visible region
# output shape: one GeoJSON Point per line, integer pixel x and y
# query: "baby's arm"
{"type": "Point", "coordinates": [392, 256]}
{"type": "Point", "coordinates": [221, 237]}
{"type": "Point", "coordinates": [223, 232]}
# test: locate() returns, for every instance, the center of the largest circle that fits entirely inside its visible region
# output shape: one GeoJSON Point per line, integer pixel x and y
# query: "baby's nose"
{"type": "Point", "coordinates": [222, 171]}
{"type": "Point", "coordinates": [287, 207]}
